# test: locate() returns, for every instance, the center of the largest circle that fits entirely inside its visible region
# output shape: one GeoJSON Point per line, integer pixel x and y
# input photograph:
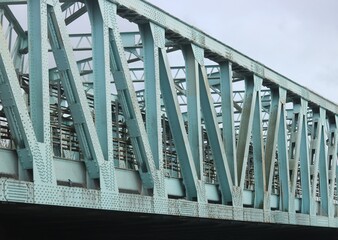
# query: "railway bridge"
{"type": "Point", "coordinates": [118, 119]}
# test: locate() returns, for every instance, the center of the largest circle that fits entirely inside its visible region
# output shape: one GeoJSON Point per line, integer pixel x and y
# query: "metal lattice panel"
{"type": "Point", "coordinates": [141, 112]}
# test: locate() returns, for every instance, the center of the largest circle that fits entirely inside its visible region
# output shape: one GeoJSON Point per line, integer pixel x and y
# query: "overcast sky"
{"type": "Point", "coordinates": [296, 38]}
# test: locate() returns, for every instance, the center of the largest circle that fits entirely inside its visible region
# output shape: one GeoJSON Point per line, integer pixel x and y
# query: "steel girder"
{"type": "Point", "coordinates": [228, 137]}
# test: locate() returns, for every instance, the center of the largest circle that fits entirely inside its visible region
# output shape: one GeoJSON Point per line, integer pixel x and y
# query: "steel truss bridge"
{"type": "Point", "coordinates": [116, 105]}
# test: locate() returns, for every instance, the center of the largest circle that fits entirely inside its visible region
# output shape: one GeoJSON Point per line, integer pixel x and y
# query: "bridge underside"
{"type": "Point", "coordinates": [54, 222]}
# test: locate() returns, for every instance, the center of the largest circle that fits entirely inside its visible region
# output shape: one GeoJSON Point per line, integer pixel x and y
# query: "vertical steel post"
{"type": "Point", "coordinates": [258, 147]}
{"type": "Point", "coordinates": [318, 160]}
{"type": "Point", "coordinates": [307, 200]}
{"type": "Point", "coordinates": [283, 162]}
{"type": "Point", "coordinates": [332, 161]}
{"type": "Point", "coordinates": [151, 43]}
{"type": "Point", "coordinates": [194, 107]}
{"type": "Point", "coordinates": [102, 89]}
{"type": "Point", "coordinates": [19, 122]}
{"type": "Point", "coordinates": [294, 147]}
{"type": "Point", "coordinates": [39, 81]}
{"type": "Point", "coordinates": [153, 39]}
{"type": "Point", "coordinates": [229, 137]}
{"type": "Point", "coordinates": [323, 174]}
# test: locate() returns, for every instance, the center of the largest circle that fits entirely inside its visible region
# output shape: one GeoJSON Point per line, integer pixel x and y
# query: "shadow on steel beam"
{"type": "Point", "coordinates": [25, 221]}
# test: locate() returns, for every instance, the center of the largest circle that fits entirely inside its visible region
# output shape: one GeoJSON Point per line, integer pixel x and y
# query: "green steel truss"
{"type": "Point", "coordinates": [159, 118]}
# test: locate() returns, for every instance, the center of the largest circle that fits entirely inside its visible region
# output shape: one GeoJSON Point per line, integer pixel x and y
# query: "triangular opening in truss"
{"type": "Point", "coordinates": [71, 104]}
